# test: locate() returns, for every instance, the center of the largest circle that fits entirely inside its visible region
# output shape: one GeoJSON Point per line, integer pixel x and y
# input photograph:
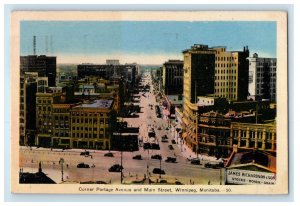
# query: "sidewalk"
{"type": "Point", "coordinates": [188, 153]}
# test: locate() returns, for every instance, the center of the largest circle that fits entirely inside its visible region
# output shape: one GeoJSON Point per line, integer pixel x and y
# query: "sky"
{"type": "Point", "coordinates": [140, 41]}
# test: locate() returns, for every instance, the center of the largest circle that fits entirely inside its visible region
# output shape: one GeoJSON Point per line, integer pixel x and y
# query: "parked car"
{"type": "Point", "coordinates": [157, 156]}
{"type": "Point", "coordinates": [164, 137]}
{"type": "Point", "coordinates": [195, 161]}
{"type": "Point", "coordinates": [158, 171]}
{"type": "Point", "coordinates": [109, 154]}
{"type": "Point", "coordinates": [171, 159]}
{"type": "Point", "coordinates": [164, 140]}
{"type": "Point", "coordinates": [115, 168]}
{"type": "Point", "coordinates": [137, 157]}
{"type": "Point", "coordinates": [155, 146]}
{"type": "Point", "coordinates": [171, 147]}
{"type": "Point", "coordinates": [178, 183]}
{"type": "Point", "coordinates": [214, 165]}
{"type": "Point", "coordinates": [147, 145]}
{"type": "Point", "coordinates": [85, 153]}
{"type": "Point", "coordinates": [82, 165]}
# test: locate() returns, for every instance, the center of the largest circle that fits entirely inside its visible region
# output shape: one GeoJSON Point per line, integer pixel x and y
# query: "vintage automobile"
{"type": "Point", "coordinates": [83, 165]}
{"type": "Point", "coordinates": [171, 147]}
{"type": "Point", "coordinates": [109, 154]}
{"type": "Point", "coordinates": [158, 171]}
{"type": "Point", "coordinates": [157, 156]}
{"type": "Point", "coordinates": [195, 161]}
{"type": "Point", "coordinates": [171, 159]}
{"type": "Point", "coordinates": [137, 157]}
{"type": "Point", "coordinates": [85, 153]}
{"type": "Point", "coordinates": [115, 168]}
{"type": "Point", "coordinates": [214, 165]}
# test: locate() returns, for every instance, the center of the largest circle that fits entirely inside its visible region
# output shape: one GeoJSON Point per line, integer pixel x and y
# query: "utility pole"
{"type": "Point", "coordinates": [61, 162]}
{"type": "Point", "coordinates": [121, 166]}
{"type": "Point", "coordinates": [160, 168]}
{"type": "Point", "coordinates": [256, 112]}
{"type": "Point", "coordinates": [220, 176]}
{"type": "Point", "coordinates": [197, 134]}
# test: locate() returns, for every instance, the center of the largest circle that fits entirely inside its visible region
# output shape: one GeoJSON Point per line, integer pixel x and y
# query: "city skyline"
{"type": "Point", "coordinates": [94, 42]}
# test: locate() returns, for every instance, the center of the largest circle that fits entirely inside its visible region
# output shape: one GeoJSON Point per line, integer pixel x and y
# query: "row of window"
{"type": "Point", "coordinates": [60, 110]}
{"type": "Point", "coordinates": [259, 134]}
{"type": "Point", "coordinates": [44, 108]}
{"type": "Point", "coordinates": [44, 101]}
{"type": "Point", "coordinates": [225, 71]}
{"type": "Point", "coordinates": [85, 114]}
{"type": "Point", "coordinates": [81, 135]}
{"type": "Point", "coordinates": [224, 58]}
{"type": "Point", "coordinates": [225, 65]}
{"type": "Point", "coordinates": [222, 84]}
{"type": "Point", "coordinates": [60, 117]}
{"type": "Point", "coordinates": [89, 120]}
{"type": "Point", "coordinates": [221, 90]}
{"type": "Point", "coordinates": [88, 128]}
{"type": "Point", "coordinates": [265, 64]}
{"type": "Point", "coordinates": [225, 77]}
{"type": "Point", "coordinates": [61, 134]}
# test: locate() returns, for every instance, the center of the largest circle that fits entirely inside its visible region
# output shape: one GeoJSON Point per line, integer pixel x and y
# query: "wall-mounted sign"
{"type": "Point", "coordinates": [246, 177]}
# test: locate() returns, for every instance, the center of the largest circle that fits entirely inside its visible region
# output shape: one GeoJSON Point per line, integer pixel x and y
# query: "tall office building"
{"type": "Point", "coordinates": [262, 78]}
{"type": "Point", "coordinates": [28, 89]}
{"type": "Point", "coordinates": [44, 65]}
{"type": "Point", "coordinates": [172, 78]}
{"type": "Point", "coordinates": [198, 80]}
{"type": "Point", "coordinates": [44, 117]}
{"type": "Point", "coordinates": [231, 73]}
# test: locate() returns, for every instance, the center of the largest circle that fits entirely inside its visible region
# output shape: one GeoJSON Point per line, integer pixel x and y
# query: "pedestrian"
{"type": "Point", "coordinates": [67, 165]}
{"type": "Point", "coordinates": [208, 182]}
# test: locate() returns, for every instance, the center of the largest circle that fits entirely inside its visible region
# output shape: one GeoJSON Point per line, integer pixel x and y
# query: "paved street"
{"type": "Point", "coordinates": [134, 170]}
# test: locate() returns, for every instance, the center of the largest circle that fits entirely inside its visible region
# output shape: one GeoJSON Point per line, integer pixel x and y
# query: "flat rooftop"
{"type": "Point", "coordinates": [99, 103]}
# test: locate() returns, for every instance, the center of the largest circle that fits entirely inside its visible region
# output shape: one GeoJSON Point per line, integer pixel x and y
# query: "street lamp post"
{"type": "Point", "coordinates": [220, 176]}
{"type": "Point", "coordinates": [197, 142]}
{"type": "Point", "coordinates": [160, 168]}
{"type": "Point", "coordinates": [61, 162]}
{"type": "Point", "coordinates": [121, 166]}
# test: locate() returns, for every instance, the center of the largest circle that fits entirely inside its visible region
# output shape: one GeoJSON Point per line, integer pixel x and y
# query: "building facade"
{"type": "Point", "coordinates": [44, 65]}
{"type": "Point", "coordinates": [172, 77]}
{"type": "Point", "coordinates": [91, 125]}
{"type": "Point", "coordinates": [28, 89]}
{"type": "Point", "coordinates": [250, 136]}
{"type": "Point", "coordinates": [61, 125]}
{"type": "Point", "coordinates": [128, 72]}
{"type": "Point", "coordinates": [262, 78]}
{"type": "Point", "coordinates": [198, 80]}
{"type": "Point", "coordinates": [231, 73]}
{"type": "Point", "coordinates": [44, 117]}
{"type": "Point", "coordinates": [214, 131]}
